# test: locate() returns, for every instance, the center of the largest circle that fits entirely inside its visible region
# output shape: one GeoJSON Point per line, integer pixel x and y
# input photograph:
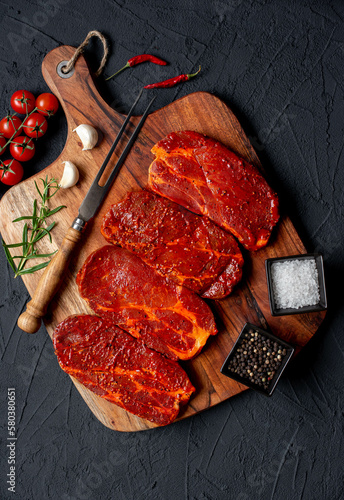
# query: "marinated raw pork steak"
{"type": "Point", "coordinates": [167, 317]}
{"type": "Point", "coordinates": [205, 177]}
{"type": "Point", "coordinates": [121, 369]}
{"type": "Point", "coordinates": [191, 250]}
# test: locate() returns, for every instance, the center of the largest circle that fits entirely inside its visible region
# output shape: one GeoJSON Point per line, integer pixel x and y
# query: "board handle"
{"type": "Point", "coordinates": [49, 283]}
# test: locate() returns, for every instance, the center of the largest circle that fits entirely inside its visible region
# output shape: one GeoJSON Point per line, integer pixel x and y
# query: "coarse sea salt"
{"type": "Point", "coordinates": [295, 283]}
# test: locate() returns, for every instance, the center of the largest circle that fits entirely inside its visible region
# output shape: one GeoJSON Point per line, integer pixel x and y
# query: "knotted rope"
{"type": "Point", "coordinates": [80, 49]}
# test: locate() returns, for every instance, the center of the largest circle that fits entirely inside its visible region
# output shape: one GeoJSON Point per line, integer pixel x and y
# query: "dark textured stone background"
{"type": "Point", "coordinates": [280, 66]}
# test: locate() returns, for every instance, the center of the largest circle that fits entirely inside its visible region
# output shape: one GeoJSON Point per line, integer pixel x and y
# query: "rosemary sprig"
{"type": "Point", "coordinates": [35, 231]}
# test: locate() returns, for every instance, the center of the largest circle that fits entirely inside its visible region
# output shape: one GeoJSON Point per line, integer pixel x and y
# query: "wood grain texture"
{"type": "Point", "coordinates": [202, 113]}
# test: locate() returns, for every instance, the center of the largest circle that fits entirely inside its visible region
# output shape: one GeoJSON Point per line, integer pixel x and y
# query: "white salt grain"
{"type": "Point", "coordinates": [295, 283]}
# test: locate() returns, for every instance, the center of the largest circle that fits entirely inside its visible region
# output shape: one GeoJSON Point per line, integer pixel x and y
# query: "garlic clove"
{"type": "Point", "coordinates": [70, 175]}
{"type": "Point", "coordinates": [88, 136]}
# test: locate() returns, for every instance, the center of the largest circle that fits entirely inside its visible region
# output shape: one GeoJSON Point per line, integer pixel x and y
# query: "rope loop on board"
{"type": "Point", "coordinates": [70, 64]}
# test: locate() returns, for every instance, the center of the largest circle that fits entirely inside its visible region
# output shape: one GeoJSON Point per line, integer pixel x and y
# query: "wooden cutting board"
{"type": "Point", "coordinates": [201, 112]}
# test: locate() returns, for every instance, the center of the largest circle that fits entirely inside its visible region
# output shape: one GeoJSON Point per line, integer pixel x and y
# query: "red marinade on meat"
{"type": "Point", "coordinates": [205, 177]}
{"type": "Point", "coordinates": [167, 317]}
{"type": "Point", "coordinates": [191, 250]}
{"type": "Point", "coordinates": [121, 369]}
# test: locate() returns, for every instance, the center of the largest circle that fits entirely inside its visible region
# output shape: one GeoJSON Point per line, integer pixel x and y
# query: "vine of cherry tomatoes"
{"type": "Point", "coordinates": [19, 134]}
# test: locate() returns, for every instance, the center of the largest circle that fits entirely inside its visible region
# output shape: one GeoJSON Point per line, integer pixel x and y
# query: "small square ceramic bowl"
{"type": "Point", "coordinates": [257, 359]}
{"type": "Point", "coordinates": [320, 304]}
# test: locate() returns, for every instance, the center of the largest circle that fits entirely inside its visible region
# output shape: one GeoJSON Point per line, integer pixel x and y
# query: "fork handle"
{"type": "Point", "coordinates": [49, 283]}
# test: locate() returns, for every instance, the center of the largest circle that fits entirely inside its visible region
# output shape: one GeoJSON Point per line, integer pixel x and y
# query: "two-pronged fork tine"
{"type": "Point", "coordinates": [129, 145]}
{"type": "Point", "coordinates": [118, 137]}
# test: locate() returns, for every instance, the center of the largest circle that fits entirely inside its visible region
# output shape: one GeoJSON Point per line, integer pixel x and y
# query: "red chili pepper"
{"type": "Point", "coordinates": [138, 60]}
{"type": "Point", "coordinates": [172, 81]}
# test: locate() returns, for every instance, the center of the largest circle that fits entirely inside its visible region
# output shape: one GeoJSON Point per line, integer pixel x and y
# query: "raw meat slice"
{"type": "Point", "coordinates": [205, 177]}
{"type": "Point", "coordinates": [121, 288]}
{"type": "Point", "coordinates": [191, 250]}
{"type": "Point", "coordinates": [121, 369]}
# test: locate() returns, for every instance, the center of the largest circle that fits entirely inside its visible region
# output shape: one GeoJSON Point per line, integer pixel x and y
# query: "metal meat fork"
{"type": "Point", "coordinates": [30, 320]}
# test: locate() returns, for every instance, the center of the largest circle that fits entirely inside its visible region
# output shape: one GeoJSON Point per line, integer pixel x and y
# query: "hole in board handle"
{"type": "Point", "coordinates": [59, 71]}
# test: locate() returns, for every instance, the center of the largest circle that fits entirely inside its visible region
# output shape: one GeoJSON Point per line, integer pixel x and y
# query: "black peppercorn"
{"type": "Point", "coordinates": [256, 359]}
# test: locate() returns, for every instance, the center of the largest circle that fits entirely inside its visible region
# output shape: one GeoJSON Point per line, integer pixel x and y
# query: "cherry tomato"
{"type": "Point", "coordinates": [12, 172]}
{"type": "Point", "coordinates": [22, 148]}
{"type": "Point", "coordinates": [9, 126]}
{"type": "Point", "coordinates": [35, 125]}
{"type": "Point", "coordinates": [2, 144]}
{"type": "Point", "coordinates": [23, 102]}
{"type": "Point", "coordinates": [47, 104]}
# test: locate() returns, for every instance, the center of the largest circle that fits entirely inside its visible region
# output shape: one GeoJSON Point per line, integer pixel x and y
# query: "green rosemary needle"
{"type": "Point", "coordinates": [34, 231]}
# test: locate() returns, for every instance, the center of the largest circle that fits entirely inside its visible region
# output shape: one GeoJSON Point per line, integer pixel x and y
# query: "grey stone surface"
{"type": "Point", "coordinates": [280, 67]}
